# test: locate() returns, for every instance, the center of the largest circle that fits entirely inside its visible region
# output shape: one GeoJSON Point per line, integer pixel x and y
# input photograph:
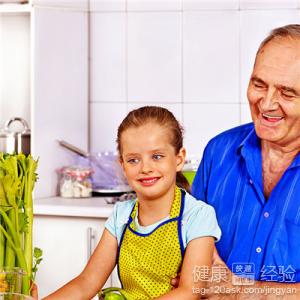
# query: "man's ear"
{"type": "Point", "coordinates": [180, 157]}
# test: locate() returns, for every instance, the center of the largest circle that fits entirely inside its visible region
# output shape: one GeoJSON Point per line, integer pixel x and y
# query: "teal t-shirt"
{"type": "Point", "coordinates": [198, 220]}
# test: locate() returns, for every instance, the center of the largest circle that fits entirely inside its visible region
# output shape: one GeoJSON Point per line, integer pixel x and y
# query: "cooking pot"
{"type": "Point", "coordinates": [15, 141]}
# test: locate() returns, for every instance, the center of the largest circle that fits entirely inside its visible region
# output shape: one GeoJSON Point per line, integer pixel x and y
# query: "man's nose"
{"type": "Point", "coordinates": [269, 101]}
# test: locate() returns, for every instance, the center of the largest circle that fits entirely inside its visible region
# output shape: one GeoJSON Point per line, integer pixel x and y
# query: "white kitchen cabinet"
{"type": "Point", "coordinates": [60, 90]}
{"type": "Point", "coordinates": [67, 230]}
{"type": "Point", "coordinates": [44, 79]}
{"type": "Point", "coordinates": [65, 242]}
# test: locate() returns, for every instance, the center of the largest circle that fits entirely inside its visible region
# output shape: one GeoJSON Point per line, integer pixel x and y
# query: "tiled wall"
{"type": "Point", "coordinates": [192, 56]}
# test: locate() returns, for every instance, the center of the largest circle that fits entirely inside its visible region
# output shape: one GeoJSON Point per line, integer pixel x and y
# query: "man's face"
{"type": "Point", "coordinates": [274, 92]}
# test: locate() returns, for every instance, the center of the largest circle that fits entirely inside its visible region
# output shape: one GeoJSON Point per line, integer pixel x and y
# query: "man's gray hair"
{"type": "Point", "coordinates": [291, 31]}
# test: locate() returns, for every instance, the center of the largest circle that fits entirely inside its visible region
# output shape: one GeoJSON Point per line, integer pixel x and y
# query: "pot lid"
{"type": "Point", "coordinates": [7, 131]}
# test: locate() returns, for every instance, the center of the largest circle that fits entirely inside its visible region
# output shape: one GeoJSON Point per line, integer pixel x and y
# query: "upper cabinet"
{"type": "Point", "coordinates": [44, 78]}
{"type": "Point", "coordinates": [60, 89]}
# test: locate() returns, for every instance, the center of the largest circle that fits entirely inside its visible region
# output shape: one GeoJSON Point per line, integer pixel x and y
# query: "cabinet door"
{"type": "Point", "coordinates": [60, 90]}
{"type": "Point", "coordinates": [65, 242]}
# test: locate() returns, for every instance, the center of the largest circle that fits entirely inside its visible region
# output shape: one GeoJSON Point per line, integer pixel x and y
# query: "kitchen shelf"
{"type": "Point", "coordinates": [13, 8]}
{"type": "Point", "coordinates": [36, 35]}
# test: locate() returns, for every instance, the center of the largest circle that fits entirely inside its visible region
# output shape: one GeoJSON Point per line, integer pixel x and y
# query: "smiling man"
{"type": "Point", "coordinates": [251, 174]}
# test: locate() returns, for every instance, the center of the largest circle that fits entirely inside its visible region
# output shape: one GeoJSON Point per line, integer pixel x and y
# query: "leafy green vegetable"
{"type": "Point", "coordinates": [37, 255]}
{"type": "Point", "coordinates": [17, 179]}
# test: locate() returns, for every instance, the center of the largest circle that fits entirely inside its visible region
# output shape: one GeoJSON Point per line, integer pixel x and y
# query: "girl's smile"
{"type": "Point", "coordinates": [149, 181]}
{"type": "Point", "coordinates": [150, 162]}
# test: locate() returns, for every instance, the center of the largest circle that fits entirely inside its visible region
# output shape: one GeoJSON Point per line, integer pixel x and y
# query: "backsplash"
{"type": "Point", "coordinates": [193, 57]}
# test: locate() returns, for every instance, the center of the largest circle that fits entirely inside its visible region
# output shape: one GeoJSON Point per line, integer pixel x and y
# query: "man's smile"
{"type": "Point", "coordinates": [267, 119]}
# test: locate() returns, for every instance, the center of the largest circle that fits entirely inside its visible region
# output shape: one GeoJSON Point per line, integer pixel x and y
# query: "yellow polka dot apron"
{"type": "Point", "coordinates": [147, 262]}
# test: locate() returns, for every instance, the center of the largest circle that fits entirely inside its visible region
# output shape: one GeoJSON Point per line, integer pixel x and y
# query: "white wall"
{"type": "Point", "coordinates": [191, 56]}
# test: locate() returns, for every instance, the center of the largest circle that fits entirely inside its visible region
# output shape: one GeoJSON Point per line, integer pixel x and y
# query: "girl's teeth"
{"type": "Point", "coordinates": [148, 181]}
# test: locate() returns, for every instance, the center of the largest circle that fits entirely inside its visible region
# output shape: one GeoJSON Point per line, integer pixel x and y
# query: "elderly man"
{"type": "Point", "coordinates": [251, 174]}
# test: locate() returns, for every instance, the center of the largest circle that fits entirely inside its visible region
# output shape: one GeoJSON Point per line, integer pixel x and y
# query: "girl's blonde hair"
{"type": "Point", "coordinates": [162, 117]}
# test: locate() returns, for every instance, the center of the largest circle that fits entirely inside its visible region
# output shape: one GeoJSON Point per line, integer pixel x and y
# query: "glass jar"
{"type": "Point", "coordinates": [14, 296]}
{"type": "Point", "coordinates": [11, 280]}
{"type": "Point", "coordinates": [75, 182]}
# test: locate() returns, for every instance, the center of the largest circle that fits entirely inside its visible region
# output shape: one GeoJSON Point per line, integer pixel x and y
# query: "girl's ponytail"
{"type": "Point", "coordinates": [182, 182]}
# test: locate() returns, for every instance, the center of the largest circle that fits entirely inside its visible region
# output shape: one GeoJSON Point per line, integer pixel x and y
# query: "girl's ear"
{"type": "Point", "coordinates": [180, 157]}
{"type": "Point", "coordinates": [121, 162]}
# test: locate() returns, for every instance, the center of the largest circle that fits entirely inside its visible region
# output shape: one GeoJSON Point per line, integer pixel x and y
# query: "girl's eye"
{"type": "Point", "coordinates": [133, 161]}
{"type": "Point", "coordinates": [157, 156]}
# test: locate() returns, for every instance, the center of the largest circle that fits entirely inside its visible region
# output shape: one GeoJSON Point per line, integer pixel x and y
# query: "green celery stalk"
{"type": "Point", "coordinates": [10, 256]}
{"type": "Point", "coordinates": [3, 204]}
{"type": "Point", "coordinates": [30, 181]}
{"type": "Point", "coordinates": [2, 248]}
{"type": "Point", "coordinates": [11, 184]}
{"type": "Point", "coordinates": [17, 178]}
{"type": "Point", "coordinates": [12, 238]}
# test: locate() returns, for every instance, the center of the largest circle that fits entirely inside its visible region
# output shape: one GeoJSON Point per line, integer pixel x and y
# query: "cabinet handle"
{"type": "Point", "coordinates": [90, 238]}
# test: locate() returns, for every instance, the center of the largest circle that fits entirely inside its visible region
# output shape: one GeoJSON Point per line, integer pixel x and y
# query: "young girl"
{"type": "Point", "coordinates": [164, 231]}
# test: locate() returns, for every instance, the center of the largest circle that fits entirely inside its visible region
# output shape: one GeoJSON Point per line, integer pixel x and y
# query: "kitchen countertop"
{"type": "Point", "coordinates": [95, 207]}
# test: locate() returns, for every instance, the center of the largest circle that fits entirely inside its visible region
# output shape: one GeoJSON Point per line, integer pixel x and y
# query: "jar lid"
{"type": "Point", "coordinates": [76, 172]}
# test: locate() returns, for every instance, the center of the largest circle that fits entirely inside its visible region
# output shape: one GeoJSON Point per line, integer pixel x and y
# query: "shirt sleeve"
{"type": "Point", "coordinates": [111, 222]}
{"type": "Point", "coordinates": [117, 221]}
{"type": "Point", "coordinates": [201, 221]}
{"type": "Point", "coordinates": [200, 182]}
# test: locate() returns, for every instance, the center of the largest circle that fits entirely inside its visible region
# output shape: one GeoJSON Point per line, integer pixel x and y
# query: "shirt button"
{"type": "Point", "coordinates": [250, 180]}
{"type": "Point", "coordinates": [266, 214]}
{"type": "Point", "coordinates": [258, 249]}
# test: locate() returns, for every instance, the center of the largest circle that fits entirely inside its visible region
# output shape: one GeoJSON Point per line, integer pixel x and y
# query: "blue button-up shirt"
{"type": "Point", "coordinates": [264, 233]}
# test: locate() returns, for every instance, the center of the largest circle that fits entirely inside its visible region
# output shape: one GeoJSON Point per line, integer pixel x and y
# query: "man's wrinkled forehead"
{"type": "Point", "coordinates": [287, 42]}
{"type": "Point", "coordinates": [278, 64]}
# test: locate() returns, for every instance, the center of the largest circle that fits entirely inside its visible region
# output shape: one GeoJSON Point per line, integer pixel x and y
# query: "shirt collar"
{"type": "Point", "coordinates": [250, 150]}
{"type": "Point", "coordinates": [252, 143]}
